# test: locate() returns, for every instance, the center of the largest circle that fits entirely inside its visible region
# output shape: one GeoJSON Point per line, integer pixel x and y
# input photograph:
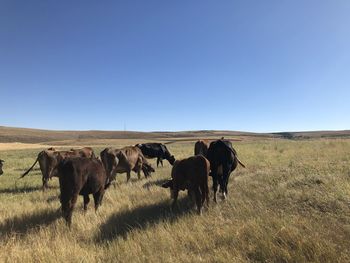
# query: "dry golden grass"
{"type": "Point", "coordinates": [20, 146]}
{"type": "Point", "coordinates": [291, 204]}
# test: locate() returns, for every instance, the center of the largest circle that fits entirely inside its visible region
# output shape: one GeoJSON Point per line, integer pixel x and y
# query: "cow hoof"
{"type": "Point", "coordinates": [223, 197]}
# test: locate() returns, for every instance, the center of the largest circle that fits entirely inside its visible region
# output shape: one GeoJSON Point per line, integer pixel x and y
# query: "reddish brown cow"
{"type": "Point", "coordinates": [191, 174]}
{"type": "Point", "coordinates": [48, 160]}
{"type": "Point", "coordinates": [201, 147]}
{"type": "Point", "coordinates": [80, 176]}
{"type": "Point", "coordinates": [87, 152]}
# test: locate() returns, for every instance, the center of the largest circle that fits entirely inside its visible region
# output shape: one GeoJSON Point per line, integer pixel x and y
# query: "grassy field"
{"type": "Point", "coordinates": [291, 204]}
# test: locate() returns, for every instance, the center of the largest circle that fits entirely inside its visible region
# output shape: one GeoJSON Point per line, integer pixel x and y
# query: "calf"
{"type": "Point", "coordinates": [80, 176]}
{"type": "Point", "coordinates": [1, 163]}
{"type": "Point", "coordinates": [191, 174]}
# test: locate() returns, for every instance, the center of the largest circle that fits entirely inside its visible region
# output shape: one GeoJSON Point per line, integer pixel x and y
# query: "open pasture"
{"type": "Point", "coordinates": [291, 204]}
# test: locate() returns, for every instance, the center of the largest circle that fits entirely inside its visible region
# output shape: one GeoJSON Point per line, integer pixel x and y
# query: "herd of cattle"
{"type": "Point", "coordinates": [80, 172]}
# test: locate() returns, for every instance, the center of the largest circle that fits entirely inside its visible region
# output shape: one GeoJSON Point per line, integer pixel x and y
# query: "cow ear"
{"type": "Point", "coordinates": [167, 184]}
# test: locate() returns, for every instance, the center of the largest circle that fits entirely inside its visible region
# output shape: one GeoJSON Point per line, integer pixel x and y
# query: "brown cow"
{"type": "Point", "coordinates": [201, 147]}
{"type": "Point", "coordinates": [48, 160]}
{"type": "Point", "coordinates": [80, 176]}
{"type": "Point", "coordinates": [125, 160]}
{"type": "Point", "coordinates": [87, 152]}
{"type": "Point", "coordinates": [191, 174]}
{"type": "Point", "coordinates": [1, 163]}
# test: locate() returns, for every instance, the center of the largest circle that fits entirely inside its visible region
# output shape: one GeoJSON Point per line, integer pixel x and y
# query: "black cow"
{"type": "Point", "coordinates": [1, 162]}
{"type": "Point", "coordinates": [223, 161]}
{"type": "Point", "coordinates": [156, 150]}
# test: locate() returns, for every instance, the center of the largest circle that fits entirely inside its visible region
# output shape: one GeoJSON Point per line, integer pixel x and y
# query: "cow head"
{"type": "Point", "coordinates": [113, 162]}
{"type": "Point", "coordinates": [171, 159]}
{"type": "Point", "coordinates": [1, 162]}
{"type": "Point", "coordinates": [169, 184]}
{"type": "Point", "coordinates": [54, 160]}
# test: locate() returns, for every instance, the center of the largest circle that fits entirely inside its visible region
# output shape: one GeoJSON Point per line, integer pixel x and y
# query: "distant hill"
{"type": "Point", "coordinates": [25, 135]}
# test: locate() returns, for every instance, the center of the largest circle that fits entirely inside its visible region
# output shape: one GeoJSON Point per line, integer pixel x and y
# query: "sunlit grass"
{"type": "Point", "coordinates": [291, 204]}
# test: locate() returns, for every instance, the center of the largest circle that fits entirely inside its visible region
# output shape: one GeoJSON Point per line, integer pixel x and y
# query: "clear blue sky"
{"type": "Point", "coordinates": [272, 65]}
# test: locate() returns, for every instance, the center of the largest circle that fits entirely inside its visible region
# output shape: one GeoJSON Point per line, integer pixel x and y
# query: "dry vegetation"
{"type": "Point", "coordinates": [291, 204]}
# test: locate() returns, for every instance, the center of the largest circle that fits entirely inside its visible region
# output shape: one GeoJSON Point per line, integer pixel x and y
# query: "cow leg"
{"type": "Point", "coordinates": [45, 184]}
{"type": "Point", "coordinates": [215, 185]}
{"type": "Point", "coordinates": [139, 167]}
{"type": "Point", "coordinates": [197, 194]}
{"type": "Point", "coordinates": [68, 209]}
{"type": "Point", "coordinates": [86, 201]}
{"type": "Point", "coordinates": [226, 176]}
{"type": "Point", "coordinates": [175, 194]}
{"type": "Point", "coordinates": [98, 198]}
{"type": "Point", "coordinates": [158, 160]}
{"type": "Point", "coordinates": [191, 195]}
{"type": "Point", "coordinates": [139, 174]}
{"type": "Point", "coordinates": [225, 185]}
{"type": "Point", "coordinates": [161, 162]}
{"type": "Point", "coordinates": [128, 176]}
{"type": "Point", "coordinates": [205, 193]}
{"type": "Point", "coordinates": [221, 183]}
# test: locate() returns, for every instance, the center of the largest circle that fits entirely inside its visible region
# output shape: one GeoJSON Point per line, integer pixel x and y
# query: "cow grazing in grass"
{"type": "Point", "coordinates": [80, 176]}
{"type": "Point", "coordinates": [191, 174]}
{"type": "Point", "coordinates": [1, 163]}
{"type": "Point", "coordinates": [125, 160]}
{"type": "Point", "coordinates": [201, 147]}
{"type": "Point", "coordinates": [156, 150]}
{"type": "Point", "coordinates": [48, 160]}
{"type": "Point", "coordinates": [223, 161]}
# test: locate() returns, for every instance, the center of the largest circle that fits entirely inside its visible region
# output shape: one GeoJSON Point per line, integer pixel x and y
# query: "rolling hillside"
{"type": "Point", "coordinates": [25, 135]}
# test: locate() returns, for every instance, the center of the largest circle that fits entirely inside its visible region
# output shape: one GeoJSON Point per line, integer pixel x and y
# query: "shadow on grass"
{"type": "Point", "coordinates": [24, 189]}
{"type": "Point", "coordinates": [24, 223]}
{"type": "Point", "coordinates": [120, 224]}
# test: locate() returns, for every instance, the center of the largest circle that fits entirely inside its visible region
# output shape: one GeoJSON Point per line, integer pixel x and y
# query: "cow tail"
{"type": "Point", "coordinates": [31, 167]}
{"type": "Point", "coordinates": [147, 169]}
{"type": "Point", "coordinates": [240, 162]}
{"type": "Point", "coordinates": [145, 166]}
{"type": "Point", "coordinates": [235, 155]}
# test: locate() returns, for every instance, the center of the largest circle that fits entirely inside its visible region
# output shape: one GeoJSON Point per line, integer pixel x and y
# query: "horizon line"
{"type": "Point", "coordinates": [178, 131]}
